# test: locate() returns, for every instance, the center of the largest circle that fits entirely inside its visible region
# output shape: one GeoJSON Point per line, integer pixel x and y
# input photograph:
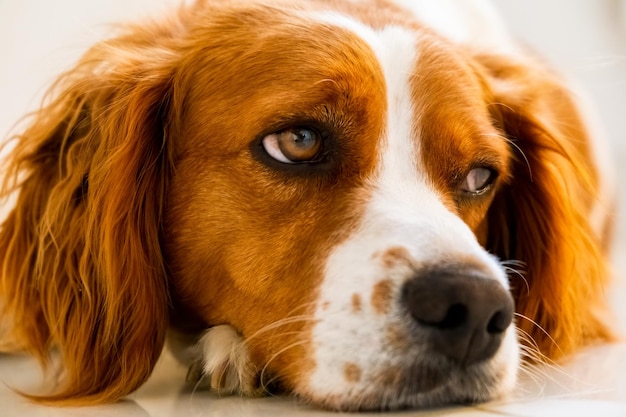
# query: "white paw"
{"type": "Point", "coordinates": [223, 363]}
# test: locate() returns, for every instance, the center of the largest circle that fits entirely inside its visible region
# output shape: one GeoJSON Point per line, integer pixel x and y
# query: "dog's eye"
{"type": "Point", "coordinates": [293, 146]}
{"type": "Point", "coordinates": [478, 181]}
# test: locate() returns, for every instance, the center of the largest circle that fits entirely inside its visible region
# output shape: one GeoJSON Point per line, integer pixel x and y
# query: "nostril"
{"type": "Point", "coordinates": [456, 316]}
{"type": "Point", "coordinates": [463, 315]}
{"type": "Point", "coordinates": [498, 323]}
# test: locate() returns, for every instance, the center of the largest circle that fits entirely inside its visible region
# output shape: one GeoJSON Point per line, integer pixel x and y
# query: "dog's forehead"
{"type": "Point", "coordinates": [435, 101]}
{"type": "Point", "coordinates": [397, 51]}
{"type": "Point", "coordinates": [375, 86]}
{"type": "Point", "coordinates": [274, 70]}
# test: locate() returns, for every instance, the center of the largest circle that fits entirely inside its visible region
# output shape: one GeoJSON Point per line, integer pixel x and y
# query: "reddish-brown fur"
{"type": "Point", "coordinates": [542, 216]}
{"type": "Point", "coordinates": [136, 177]}
{"type": "Point", "coordinates": [547, 186]}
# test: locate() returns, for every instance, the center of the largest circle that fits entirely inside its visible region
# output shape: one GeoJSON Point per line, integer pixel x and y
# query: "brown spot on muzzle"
{"type": "Point", "coordinates": [352, 372]}
{"type": "Point", "coordinates": [394, 256]}
{"type": "Point", "coordinates": [381, 296]}
{"type": "Point", "coordinates": [356, 303]}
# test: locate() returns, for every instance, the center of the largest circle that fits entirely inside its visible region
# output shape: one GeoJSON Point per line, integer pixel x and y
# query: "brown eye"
{"type": "Point", "coordinates": [478, 181]}
{"type": "Point", "coordinates": [293, 146]}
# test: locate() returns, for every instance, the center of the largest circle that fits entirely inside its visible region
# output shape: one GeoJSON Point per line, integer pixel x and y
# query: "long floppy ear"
{"type": "Point", "coordinates": [542, 216]}
{"type": "Point", "coordinates": [81, 268]}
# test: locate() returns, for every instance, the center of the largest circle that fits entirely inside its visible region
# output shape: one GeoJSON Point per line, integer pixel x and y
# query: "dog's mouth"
{"type": "Point", "coordinates": [414, 386]}
{"type": "Point", "coordinates": [381, 378]}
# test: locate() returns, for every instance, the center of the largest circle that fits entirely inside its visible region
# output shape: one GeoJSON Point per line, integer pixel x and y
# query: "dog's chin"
{"type": "Point", "coordinates": [415, 380]}
{"type": "Point", "coordinates": [419, 387]}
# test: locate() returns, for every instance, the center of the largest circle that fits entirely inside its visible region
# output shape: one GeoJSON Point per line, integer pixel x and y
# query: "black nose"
{"type": "Point", "coordinates": [463, 313]}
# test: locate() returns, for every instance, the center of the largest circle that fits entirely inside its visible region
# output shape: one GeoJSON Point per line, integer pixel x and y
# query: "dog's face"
{"type": "Point", "coordinates": [313, 209]}
{"type": "Point", "coordinates": [340, 184]}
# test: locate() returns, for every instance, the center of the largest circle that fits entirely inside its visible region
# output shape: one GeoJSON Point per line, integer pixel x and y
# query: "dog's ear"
{"type": "Point", "coordinates": [542, 216]}
{"type": "Point", "coordinates": [81, 268]}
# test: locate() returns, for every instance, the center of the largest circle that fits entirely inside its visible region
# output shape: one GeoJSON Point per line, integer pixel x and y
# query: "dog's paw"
{"type": "Point", "coordinates": [223, 363]}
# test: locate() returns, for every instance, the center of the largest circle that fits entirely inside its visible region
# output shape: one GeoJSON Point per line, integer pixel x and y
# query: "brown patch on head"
{"type": "Point", "coordinates": [352, 372]}
{"type": "Point", "coordinates": [395, 255]}
{"type": "Point", "coordinates": [381, 296]}
{"type": "Point", "coordinates": [325, 305]}
{"type": "Point", "coordinates": [356, 303]}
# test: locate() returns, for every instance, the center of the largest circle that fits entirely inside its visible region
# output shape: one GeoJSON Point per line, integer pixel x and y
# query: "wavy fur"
{"type": "Point", "coordinates": [82, 270]}
{"type": "Point", "coordinates": [541, 217]}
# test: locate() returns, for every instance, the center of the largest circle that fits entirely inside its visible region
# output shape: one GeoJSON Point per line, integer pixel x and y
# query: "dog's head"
{"type": "Point", "coordinates": [349, 192]}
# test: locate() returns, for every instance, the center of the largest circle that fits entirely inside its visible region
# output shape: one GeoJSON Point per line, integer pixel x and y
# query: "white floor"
{"type": "Point", "coordinates": [587, 38]}
{"type": "Point", "coordinates": [593, 384]}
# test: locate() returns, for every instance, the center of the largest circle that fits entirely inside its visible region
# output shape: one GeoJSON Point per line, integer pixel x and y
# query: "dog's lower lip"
{"type": "Point", "coordinates": [398, 397]}
{"type": "Point", "coordinates": [427, 378]}
{"type": "Point", "coordinates": [393, 390]}
{"type": "Point", "coordinates": [416, 384]}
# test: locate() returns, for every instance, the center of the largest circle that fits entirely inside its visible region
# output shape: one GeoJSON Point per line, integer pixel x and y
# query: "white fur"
{"type": "Point", "coordinates": [403, 211]}
{"type": "Point", "coordinates": [478, 23]}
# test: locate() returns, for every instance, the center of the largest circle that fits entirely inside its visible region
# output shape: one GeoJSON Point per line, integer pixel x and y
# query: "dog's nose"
{"type": "Point", "coordinates": [462, 313]}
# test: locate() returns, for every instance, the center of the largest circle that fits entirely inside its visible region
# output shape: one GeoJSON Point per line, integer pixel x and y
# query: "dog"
{"type": "Point", "coordinates": [370, 205]}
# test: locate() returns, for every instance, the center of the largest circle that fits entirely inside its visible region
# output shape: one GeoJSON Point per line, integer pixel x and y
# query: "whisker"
{"type": "Point", "coordinates": [272, 358]}
{"type": "Point", "coordinates": [520, 274]}
{"type": "Point", "coordinates": [289, 319]}
{"type": "Point", "coordinates": [544, 331]}
{"type": "Point", "coordinates": [497, 103]}
{"type": "Point", "coordinates": [516, 267]}
{"type": "Point", "coordinates": [511, 142]}
{"type": "Point", "coordinates": [532, 351]}
{"type": "Point", "coordinates": [548, 369]}
{"type": "Point", "coordinates": [521, 152]}
{"type": "Point", "coordinates": [280, 323]}
{"type": "Point", "coordinates": [537, 377]}
{"type": "Point", "coordinates": [196, 388]}
{"type": "Point", "coordinates": [301, 306]}
{"type": "Point", "coordinates": [514, 262]}
{"type": "Point", "coordinates": [532, 343]}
